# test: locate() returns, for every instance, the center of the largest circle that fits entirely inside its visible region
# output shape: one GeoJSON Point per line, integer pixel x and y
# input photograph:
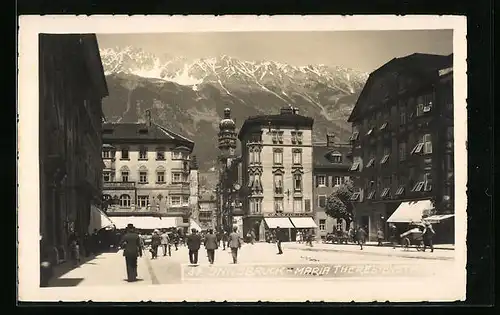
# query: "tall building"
{"type": "Point", "coordinates": [402, 143]}
{"type": "Point", "coordinates": [277, 172]}
{"type": "Point", "coordinates": [208, 210]}
{"type": "Point", "coordinates": [150, 178]}
{"type": "Point", "coordinates": [72, 85]}
{"type": "Point", "coordinates": [331, 164]}
{"type": "Point", "coordinates": [228, 186]}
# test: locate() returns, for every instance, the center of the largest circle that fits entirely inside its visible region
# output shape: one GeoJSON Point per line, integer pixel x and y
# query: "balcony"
{"type": "Point", "coordinates": [180, 188]}
{"type": "Point", "coordinates": [118, 185]}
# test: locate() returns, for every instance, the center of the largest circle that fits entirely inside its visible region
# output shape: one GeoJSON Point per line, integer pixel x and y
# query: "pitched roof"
{"type": "Point", "coordinates": [281, 120]}
{"type": "Point", "coordinates": [322, 157]}
{"type": "Point", "coordinates": [141, 132]}
{"type": "Point", "coordinates": [415, 62]}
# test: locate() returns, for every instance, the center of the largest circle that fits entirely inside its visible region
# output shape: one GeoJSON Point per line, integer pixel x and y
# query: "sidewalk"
{"type": "Point", "coordinates": [438, 254]}
{"type": "Point", "coordinates": [104, 269]}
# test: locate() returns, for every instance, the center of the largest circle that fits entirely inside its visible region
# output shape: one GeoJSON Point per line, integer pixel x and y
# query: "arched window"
{"type": "Point", "coordinates": [335, 157]}
{"type": "Point", "coordinates": [143, 175]}
{"type": "Point", "coordinates": [124, 172]}
{"type": "Point", "coordinates": [124, 201]}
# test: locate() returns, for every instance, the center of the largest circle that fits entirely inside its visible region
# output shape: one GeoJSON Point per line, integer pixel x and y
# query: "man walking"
{"type": "Point", "coordinates": [131, 245]}
{"type": "Point", "coordinates": [361, 236]}
{"type": "Point", "coordinates": [193, 243]}
{"type": "Point", "coordinates": [155, 243]}
{"type": "Point", "coordinates": [279, 239]}
{"type": "Point", "coordinates": [211, 245]}
{"type": "Point", "coordinates": [165, 242]}
{"type": "Point", "coordinates": [428, 234]}
{"type": "Point", "coordinates": [393, 235]}
{"type": "Point", "coordinates": [234, 243]}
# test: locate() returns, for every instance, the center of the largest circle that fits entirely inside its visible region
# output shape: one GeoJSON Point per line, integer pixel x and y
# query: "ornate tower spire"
{"type": "Point", "coordinates": [227, 135]}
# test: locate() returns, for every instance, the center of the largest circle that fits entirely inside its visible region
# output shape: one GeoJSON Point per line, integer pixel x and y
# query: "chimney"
{"type": "Point", "coordinates": [330, 139]}
{"type": "Point", "coordinates": [148, 118]}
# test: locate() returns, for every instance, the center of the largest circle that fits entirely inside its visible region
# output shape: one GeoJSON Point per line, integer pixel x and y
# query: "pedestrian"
{"type": "Point", "coordinates": [299, 237]}
{"type": "Point", "coordinates": [74, 245]}
{"type": "Point", "coordinates": [211, 245]}
{"type": "Point", "coordinates": [428, 235]}
{"type": "Point", "coordinates": [225, 239]}
{"type": "Point", "coordinates": [155, 243]}
{"type": "Point", "coordinates": [131, 244]}
{"type": "Point", "coordinates": [193, 241]}
{"type": "Point", "coordinates": [234, 243]}
{"type": "Point", "coordinates": [352, 234]}
{"type": "Point", "coordinates": [309, 238]}
{"type": "Point", "coordinates": [279, 239]}
{"type": "Point", "coordinates": [176, 240]}
{"type": "Point", "coordinates": [393, 235]}
{"type": "Point", "coordinates": [165, 243]}
{"type": "Point", "coordinates": [380, 237]}
{"type": "Point", "coordinates": [361, 237]}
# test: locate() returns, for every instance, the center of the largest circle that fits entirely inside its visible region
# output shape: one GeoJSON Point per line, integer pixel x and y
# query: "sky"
{"type": "Point", "coordinates": [360, 50]}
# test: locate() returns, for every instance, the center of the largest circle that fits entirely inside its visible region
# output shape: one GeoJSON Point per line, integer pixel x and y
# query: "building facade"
{"type": "Point", "coordinates": [331, 164]}
{"type": "Point", "coordinates": [277, 172]}
{"type": "Point", "coordinates": [402, 140]}
{"type": "Point", "coordinates": [72, 85]}
{"type": "Point", "coordinates": [207, 210]}
{"type": "Point", "coordinates": [149, 172]}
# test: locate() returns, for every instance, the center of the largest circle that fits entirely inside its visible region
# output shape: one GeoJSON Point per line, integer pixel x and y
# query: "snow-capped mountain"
{"type": "Point", "coordinates": [189, 95]}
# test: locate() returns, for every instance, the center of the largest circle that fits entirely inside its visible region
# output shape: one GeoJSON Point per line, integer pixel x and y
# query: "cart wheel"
{"type": "Point", "coordinates": [406, 243]}
{"type": "Point", "coordinates": [420, 247]}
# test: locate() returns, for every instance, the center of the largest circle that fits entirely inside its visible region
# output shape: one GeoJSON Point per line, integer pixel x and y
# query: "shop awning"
{"type": "Point", "coordinates": [410, 211]}
{"type": "Point", "coordinates": [144, 223]}
{"type": "Point", "coordinates": [167, 222]}
{"type": "Point", "coordinates": [438, 218]}
{"type": "Point", "coordinates": [304, 223]}
{"type": "Point", "coordinates": [283, 223]}
{"type": "Point", "coordinates": [98, 220]}
{"type": "Point", "coordinates": [194, 225]}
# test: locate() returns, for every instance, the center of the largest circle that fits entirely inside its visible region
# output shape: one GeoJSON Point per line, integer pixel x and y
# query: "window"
{"type": "Point", "coordinates": [385, 193]}
{"type": "Point", "coordinates": [307, 205]}
{"type": "Point", "coordinates": [256, 156]}
{"type": "Point", "coordinates": [255, 205]}
{"type": "Point", "coordinates": [371, 195]}
{"type": "Point", "coordinates": [322, 201]}
{"type": "Point", "coordinates": [427, 143]}
{"type": "Point", "coordinates": [106, 154]}
{"type": "Point", "coordinates": [280, 136]}
{"type": "Point", "coordinates": [175, 201]}
{"type": "Point", "coordinates": [160, 177]}
{"type": "Point", "coordinates": [176, 178]}
{"type": "Point", "coordinates": [297, 204]}
{"type": "Point", "coordinates": [125, 176]}
{"type": "Point", "coordinates": [420, 105]}
{"type": "Point", "coordinates": [185, 200]}
{"type": "Point", "coordinates": [322, 224]}
{"type": "Point", "coordinates": [278, 184]}
{"type": "Point", "coordinates": [278, 205]}
{"type": "Point", "coordinates": [336, 157]}
{"type": "Point", "coordinates": [176, 155]}
{"type": "Point", "coordinates": [418, 186]}
{"type": "Point", "coordinates": [400, 191]}
{"type": "Point", "coordinates": [143, 154]}
{"type": "Point", "coordinates": [371, 162]}
{"type": "Point", "coordinates": [297, 182]}
{"type": "Point", "coordinates": [124, 201]}
{"type": "Point", "coordinates": [142, 201]}
{"type": "Point", "coordinates": [143, 177]}
{"type": "Point", "coordinates": [355, 166]}
{"type": "Point", "coordinates": [106, 176]}
{"type": "Point", "coordinates": [160, 154]}
{"type": "Point", "coordinates": [347, 179]}
{"type": "Point", "coordinates": [124, 154]}
{"type": "Point", "coordinates": [369, 132]}
{"type": "Point", "coordinates": [402, 115]}
{"type": "Point", "coordinates": [384, 125]}
{"type": "Point", "coordinates": [278, 156]}
{"type": "Point", "coordinates": [251, 156]}
{"type": "Point", "coordinates": [354, 136]}
{"type": "Point", "coordinates": [277, 136]}
{"type": "Point", "coordinates": [337, 181]}
{"type": "Point", "coordinates": [427, 182]}
{"type": "Point", "coordinates": [297, 156]}
{"type": "Point", "coordinates": [402, 151]}
{"type": "Point", "coordinates": [417, 149]}
{"type": "Point", "coordinates": [355, 196]}
{"type": "Point", "coordinates": [321, 180]}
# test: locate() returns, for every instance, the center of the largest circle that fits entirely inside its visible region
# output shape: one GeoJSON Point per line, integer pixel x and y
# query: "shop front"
{"type": "Point", "coordinates": [289, 224]}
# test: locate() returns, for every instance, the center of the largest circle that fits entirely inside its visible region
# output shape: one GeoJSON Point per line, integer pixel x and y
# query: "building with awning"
{"type": "Point", "coordinates": [98, 220]}
{"type": "Point", "coordinates": [411, 211]}
{"type": "Point", "coordinates": [146, 222]}
{"type": "Point", "coordinates": [304, 223]}
{"type": "Point", "coordinates": [273, 223]}
{"type": "Point", "coordinates": [438, 218]}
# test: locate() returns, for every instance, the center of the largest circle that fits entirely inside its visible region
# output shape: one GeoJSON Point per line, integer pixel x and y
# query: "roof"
{"type": "Point", "coordinates": [321, 155]}
{"type": "Point", "coordinates": [278, 120]}
{"type": "Point", "coordinates": [140, 132]}
{"type": "Point", "coordinates": [415, 62]}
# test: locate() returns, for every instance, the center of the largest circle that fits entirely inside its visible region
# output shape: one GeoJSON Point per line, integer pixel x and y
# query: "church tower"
{"type": "Point", "coordinates": [227, 137]}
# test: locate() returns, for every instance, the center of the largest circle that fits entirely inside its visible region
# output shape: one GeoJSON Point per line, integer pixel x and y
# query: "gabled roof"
{"type": "Point", "coordinates": [277, 120]}
{"type": "Point", "coordinates": [321, 155]}
{"type": "Point", "coordinates": [141, 133]}
{"type": "Point", "coordinates": [416, 62]}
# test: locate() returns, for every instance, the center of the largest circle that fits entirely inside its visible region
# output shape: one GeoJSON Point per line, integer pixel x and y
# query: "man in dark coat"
{"type": "Point", "coordinates": [393, 235]}
{"type": "Point", "coordinates": [234, 243]}
{"type": "Point", "coordinates": [428, 235]}
{"type": "Point", "coordinates": [193, 243]}
{"type": "Point", "coordinates": [211, 245]}
{"type": "Point", "coordinates": [155, 243]}
{"type": "Point", "coordinates": [361, 236]}
{"type": "Point", "coordinates": [279, 239]}
{"type": "Point", "coordinates": [131, 245]}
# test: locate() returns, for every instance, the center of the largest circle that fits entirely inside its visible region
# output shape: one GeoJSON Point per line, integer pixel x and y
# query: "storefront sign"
{"type": "Point", "coordinates": [287, 214]}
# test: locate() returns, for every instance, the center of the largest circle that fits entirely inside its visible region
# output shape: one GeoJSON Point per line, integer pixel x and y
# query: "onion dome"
{"type": "Point", "coordinates": [227, 122]}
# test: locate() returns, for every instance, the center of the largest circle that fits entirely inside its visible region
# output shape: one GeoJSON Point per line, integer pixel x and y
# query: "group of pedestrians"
{"type": "Point", "coordinates": [211, 242]}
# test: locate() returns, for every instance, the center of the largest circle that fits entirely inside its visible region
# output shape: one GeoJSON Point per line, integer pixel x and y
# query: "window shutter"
{"type": "Point", "coordinates": [316, 181]}
{"type": "Point", "coordinates": [327, 180]}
